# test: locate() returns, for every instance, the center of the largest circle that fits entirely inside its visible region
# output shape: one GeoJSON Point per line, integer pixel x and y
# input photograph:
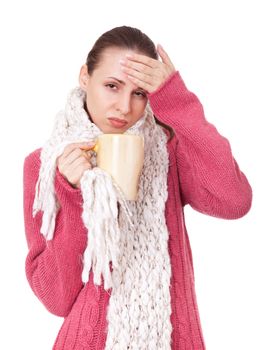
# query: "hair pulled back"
{"type": "Point", "coordinates": [123, 37]}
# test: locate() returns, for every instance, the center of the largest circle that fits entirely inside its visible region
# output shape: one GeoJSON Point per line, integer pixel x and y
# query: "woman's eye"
{"type": "Point", "coordinates": [111, 86]}
{"type": "Point", "coordinates": [140, 93]}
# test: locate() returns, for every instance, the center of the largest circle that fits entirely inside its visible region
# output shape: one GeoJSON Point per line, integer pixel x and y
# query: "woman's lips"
{"type": "Point", "coordinates": [118, 123]}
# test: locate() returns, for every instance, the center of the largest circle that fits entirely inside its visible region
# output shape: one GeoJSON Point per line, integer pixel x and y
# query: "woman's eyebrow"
{"type": "Point", "coordinates": [118, 80]}
{"type": "Point", "coordinates": [122, 82]}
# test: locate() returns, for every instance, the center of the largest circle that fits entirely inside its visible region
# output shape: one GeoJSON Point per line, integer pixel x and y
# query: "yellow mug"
{"type": "Point", "coordinates": [122, 156]}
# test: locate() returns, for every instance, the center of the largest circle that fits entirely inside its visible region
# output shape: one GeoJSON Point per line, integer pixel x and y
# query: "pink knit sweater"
{"type": "Point", "coordinates": [202, 173]}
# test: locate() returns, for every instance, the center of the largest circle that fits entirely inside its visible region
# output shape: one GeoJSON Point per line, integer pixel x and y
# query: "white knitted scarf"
{"type": "Point", "coordinates": [134, 240]}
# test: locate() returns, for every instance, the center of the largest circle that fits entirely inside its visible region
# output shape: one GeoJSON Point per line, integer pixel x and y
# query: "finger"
{"type": "Point", "coordinates": [88, 147]}
{"type": "Point", "coordinates": [164, 56]}
{"type": "Point", "coordinates": [88, 155]}
{"type": "Point", "coordinates": [148, 76]}
{"type": "Point", "coordinates": [148, 61]}
{"type": "Point", "coordinates": [74, 176]}
{"type": "Point", "coordinates": [80, 162]}
{"type": "Point", "coordinates": [140, 67]}
{"type": "Point", "coordinates": [66, 161]}
{"type": "Point", "coordinates": [82, 145]}
{"type": "Point", "coordinates": [77, 169]}
{"type": "Point", "coordinates": [139, 75]}
{"type": "Point", "coordinates": [140, 83]}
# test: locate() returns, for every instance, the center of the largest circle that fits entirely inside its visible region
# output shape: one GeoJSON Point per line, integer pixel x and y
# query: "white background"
{"type": "Point", "coordinates": [214, 45]}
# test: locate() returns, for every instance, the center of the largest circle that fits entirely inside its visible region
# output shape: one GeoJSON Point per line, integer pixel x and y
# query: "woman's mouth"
{"type": "Point", "coordinates": [118, 123]}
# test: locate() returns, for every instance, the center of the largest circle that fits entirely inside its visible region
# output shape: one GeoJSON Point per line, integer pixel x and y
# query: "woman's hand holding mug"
{"type": "Point", "coordinates": [120, 155]}
{"type": "Point", "coordinates": [74, 161]}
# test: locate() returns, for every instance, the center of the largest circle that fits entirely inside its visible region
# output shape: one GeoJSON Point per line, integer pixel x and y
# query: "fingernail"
{"type": "Point", "coordinates": [160, 46]}
{"type": "Point", "coordinates": [122, 61]}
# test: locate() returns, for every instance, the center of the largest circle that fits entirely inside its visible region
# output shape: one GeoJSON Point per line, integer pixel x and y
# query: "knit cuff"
{"type": "Point", "coordinates": [65, 192]}
{"type": "Point", "coordinates": [171, 98]}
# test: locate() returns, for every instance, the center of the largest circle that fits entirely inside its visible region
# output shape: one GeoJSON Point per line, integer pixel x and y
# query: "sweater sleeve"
{"type": "Point", "coordinates": [53, 268]}
{"type": "Point", "coordinates": [210, 178]}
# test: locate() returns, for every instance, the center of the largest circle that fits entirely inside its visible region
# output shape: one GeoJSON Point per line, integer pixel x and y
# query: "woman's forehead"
{"type": "Point", "coordinates": [113, 54]}
{"type": "Point", "coordinates": [109, 64]}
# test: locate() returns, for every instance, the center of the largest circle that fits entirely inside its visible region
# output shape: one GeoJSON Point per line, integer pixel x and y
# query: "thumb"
{"type": "Point", "coordinates": [88, 146]}
{"type": "Point", "coordinates": [164, 56]}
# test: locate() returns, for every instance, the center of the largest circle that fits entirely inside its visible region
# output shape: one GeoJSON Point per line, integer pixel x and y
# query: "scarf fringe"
{"type": "Point", "coordinates": [128, 248]}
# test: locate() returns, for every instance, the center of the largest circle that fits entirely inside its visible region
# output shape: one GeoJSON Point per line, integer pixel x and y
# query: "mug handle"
{"type": "Point", "coordinates": [95, 148]}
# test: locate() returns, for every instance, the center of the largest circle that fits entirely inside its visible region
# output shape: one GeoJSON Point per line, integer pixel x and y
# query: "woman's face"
{"type": "Point", "coordinates": [114, 103]}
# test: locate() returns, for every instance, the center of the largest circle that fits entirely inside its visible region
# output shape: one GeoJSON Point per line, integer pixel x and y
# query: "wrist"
{"type": "Point", "coordinates": [65, 190]}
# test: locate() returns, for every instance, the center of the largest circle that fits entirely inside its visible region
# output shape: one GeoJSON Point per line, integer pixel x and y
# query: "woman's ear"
{"type": "Point", "coordinates": [83, 77]}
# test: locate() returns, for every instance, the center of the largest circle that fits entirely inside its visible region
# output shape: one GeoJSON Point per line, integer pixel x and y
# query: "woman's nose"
{"type": "Point", "coordinates": [123, 104]}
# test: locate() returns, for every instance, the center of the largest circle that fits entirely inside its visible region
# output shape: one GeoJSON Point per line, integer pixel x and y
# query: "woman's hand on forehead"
{"type": "Point", "coordinates": [146, 72]}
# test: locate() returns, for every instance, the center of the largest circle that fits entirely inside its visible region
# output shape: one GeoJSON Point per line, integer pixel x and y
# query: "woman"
{"type": "Point", "coordinates": [119, 283]}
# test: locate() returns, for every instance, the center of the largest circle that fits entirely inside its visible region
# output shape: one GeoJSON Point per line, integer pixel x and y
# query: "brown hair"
{"type": "Point", "coordinates": [126, 38]}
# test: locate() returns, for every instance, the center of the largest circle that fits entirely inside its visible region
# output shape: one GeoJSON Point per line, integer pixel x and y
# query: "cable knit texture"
{"type": "Point", "coordinates": [202, 172]}
{"type": "Point", "coordinates": [134, 241]}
